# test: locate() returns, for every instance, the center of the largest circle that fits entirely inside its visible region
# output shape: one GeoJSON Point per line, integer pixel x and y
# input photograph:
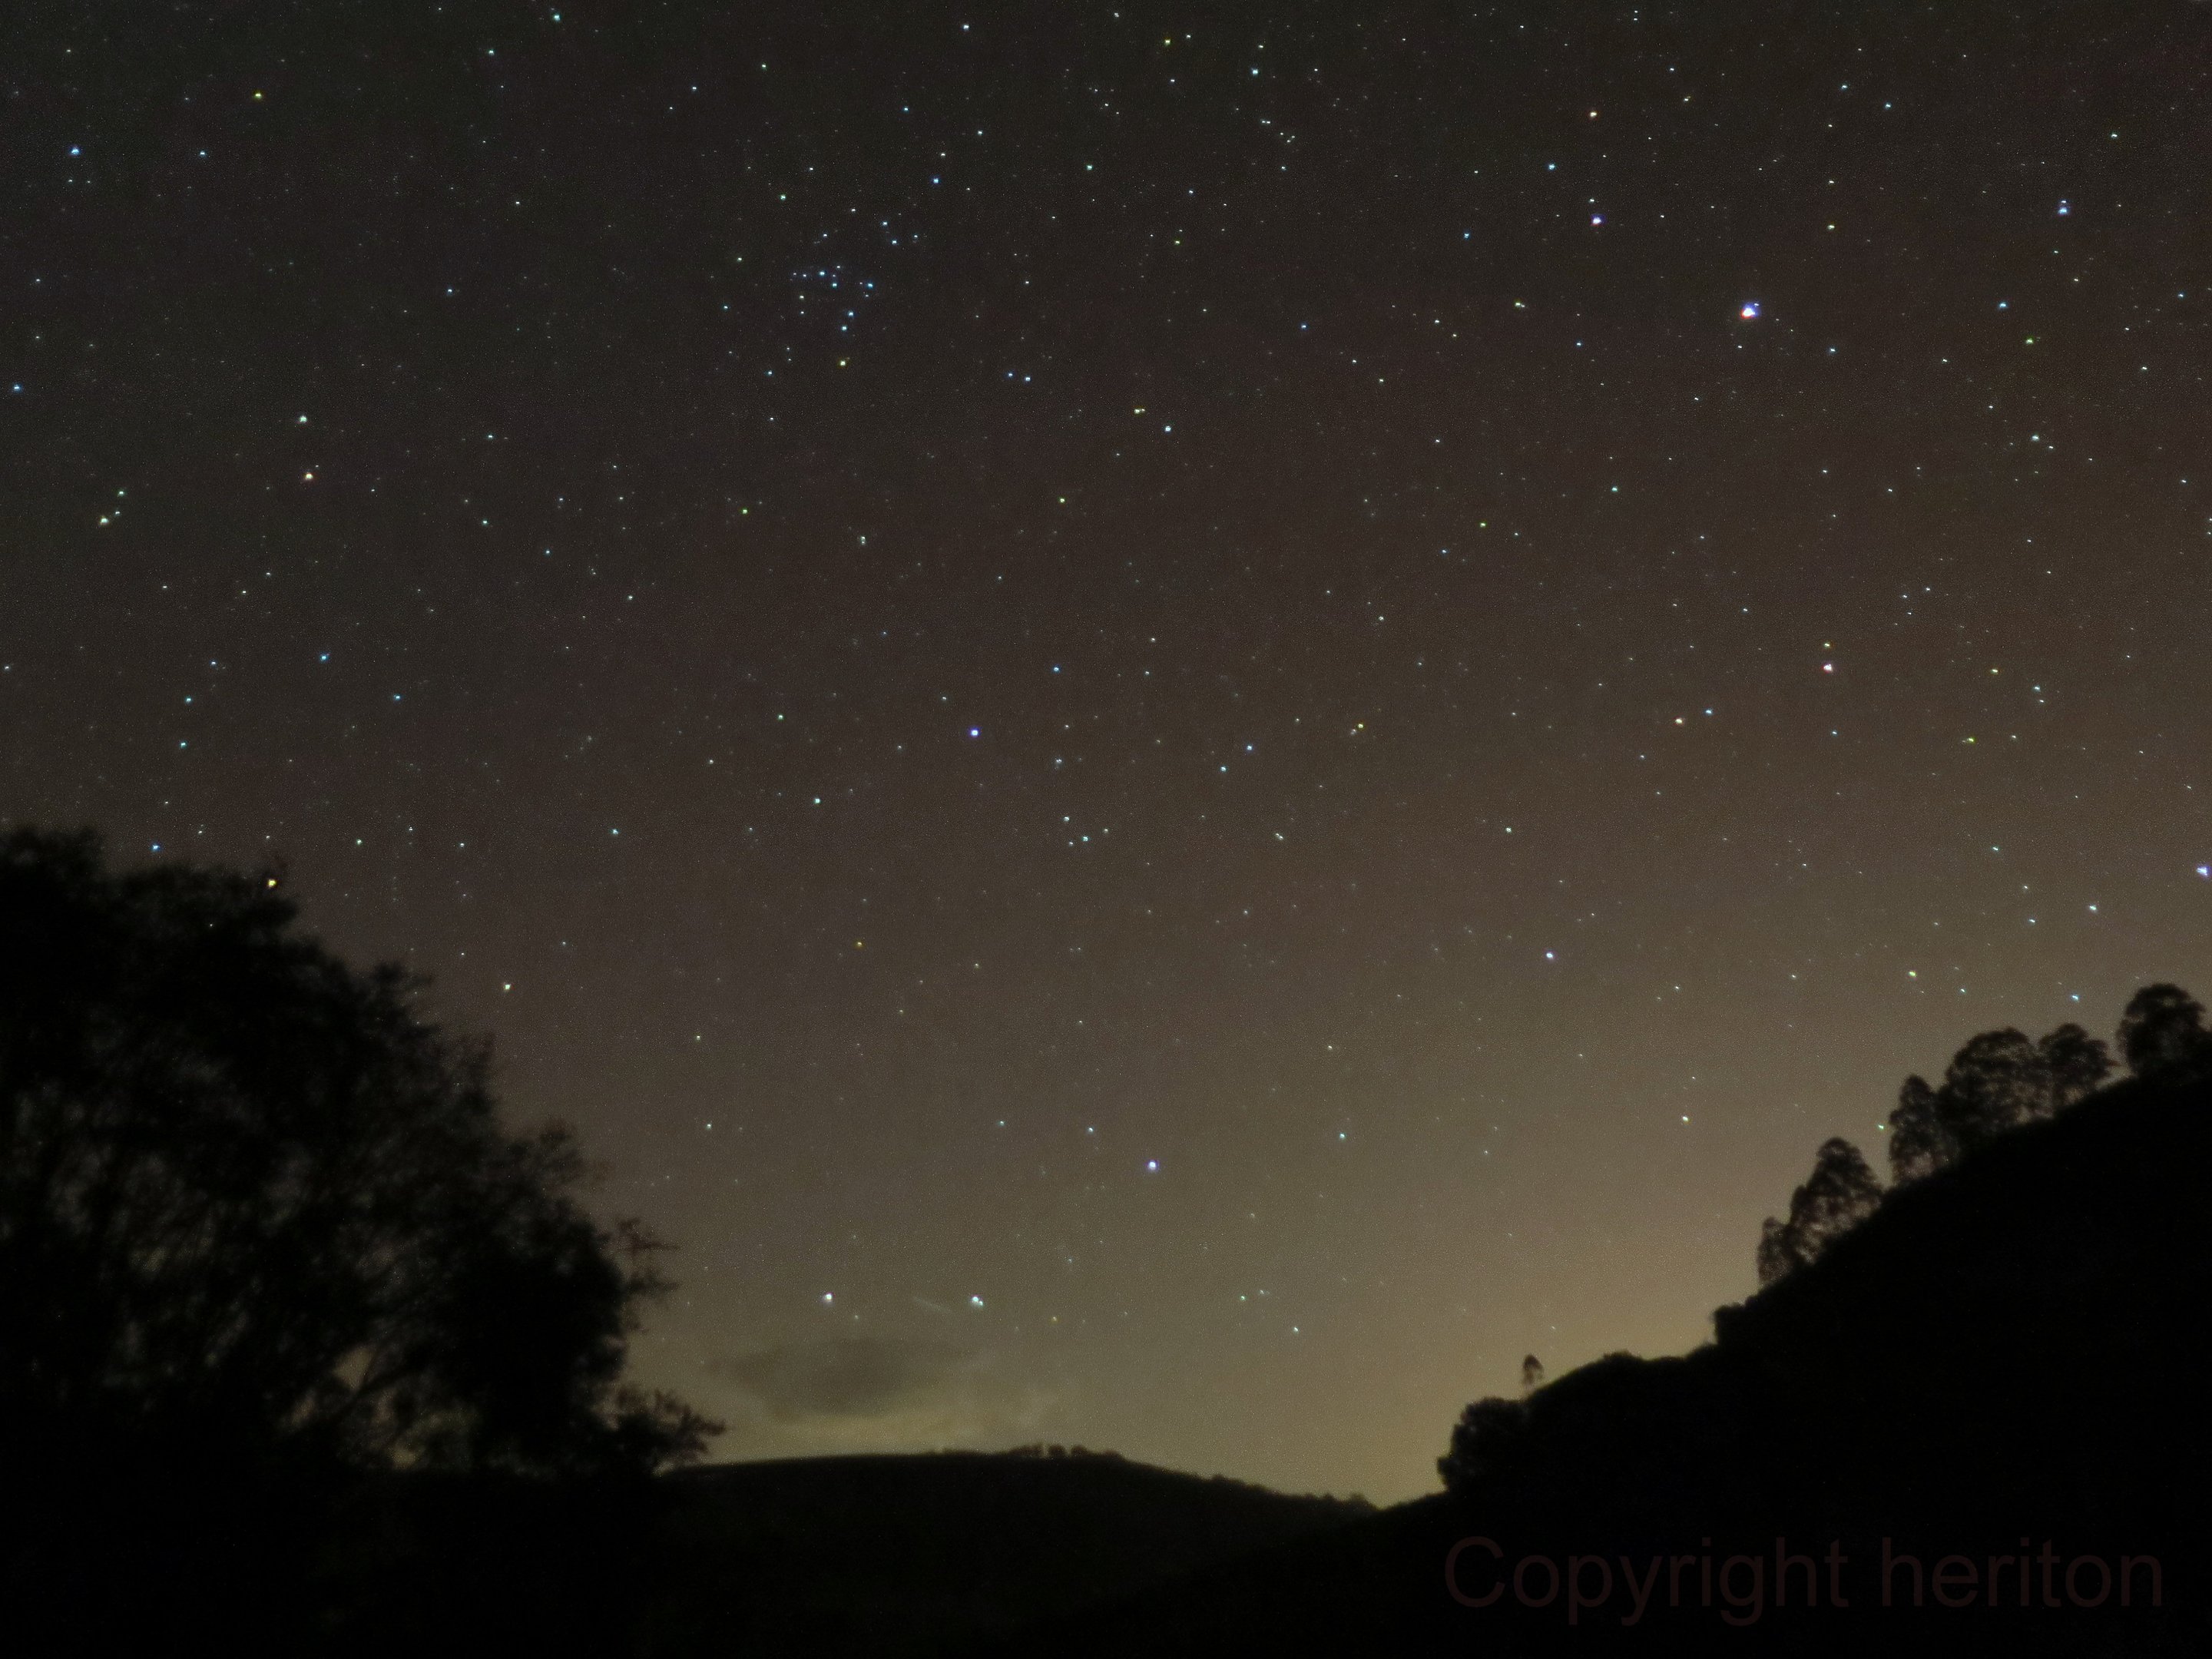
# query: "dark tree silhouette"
{"type": "Point", "coordinates": [2162, 1033]}
{"type": "Point", "coordinates": [1839, 1193]}
{"type": "Point", "coordinates": [1920, 1143]}
{"type": "Point", "coordinates": [2077, 1062]}
{"type": "Point", "coordinates": [1997, 1082]}
{"type": "Point", "coordinates": [1918, 1139]}
{"type": "Point", "coordinates": [1484, 1442]}
{"type": "Point", "coordinates": [1532, 1374]}
{"type": "Point", "coordinates": [252, 1203]}
{"type": "Point", "coordinates": [1998, 1079]}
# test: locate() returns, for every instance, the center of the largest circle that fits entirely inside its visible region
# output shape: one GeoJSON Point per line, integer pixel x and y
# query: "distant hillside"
{"type": "Point", "coordinates": [928, 1554]}
{"type": "Point", "coordinates": [2007, 1349]}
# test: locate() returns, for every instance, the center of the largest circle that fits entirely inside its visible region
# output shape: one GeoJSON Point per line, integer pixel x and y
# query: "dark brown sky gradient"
{"type": "Point", "coordinates": [924, 610]}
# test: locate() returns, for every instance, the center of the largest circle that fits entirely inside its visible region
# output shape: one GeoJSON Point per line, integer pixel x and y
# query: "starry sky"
{"type": "Point", "coordinates": [1173, 724]}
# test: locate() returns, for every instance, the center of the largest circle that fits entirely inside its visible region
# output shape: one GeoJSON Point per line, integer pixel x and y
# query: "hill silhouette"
{"type": "Point", "coordinates": [2006, 1349]}
{"type": "Point", "coordinates": [902, 1556]}
{"type": "Point", "coordinates": [926, 1554]}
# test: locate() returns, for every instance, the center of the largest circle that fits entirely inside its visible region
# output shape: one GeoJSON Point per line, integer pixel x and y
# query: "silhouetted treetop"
{"type": "Point", "coordinates": [1485, 1443]}
{"type": "Point", "coordinates": [1839, 1193]}
{"type": "Point", "coordinates": [2078, 1064]}
{"type": "Point", "coordinates": [247, 1195]}
{"type": "Point", "coordinates": [2162, 1033]}
{"type": "Point", "coordinates": [1997, 1082]}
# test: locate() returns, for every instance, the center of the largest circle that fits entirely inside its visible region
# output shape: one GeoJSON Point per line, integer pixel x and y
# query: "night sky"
{"type": "Point", "coordinates": [1173, 725]}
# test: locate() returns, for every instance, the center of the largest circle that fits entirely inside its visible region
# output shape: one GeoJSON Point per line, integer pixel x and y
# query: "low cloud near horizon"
{"type": "Point", "coordinates": [870, 1394]}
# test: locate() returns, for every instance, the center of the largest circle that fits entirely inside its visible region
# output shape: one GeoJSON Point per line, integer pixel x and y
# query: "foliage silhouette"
{"type": "Point", "coordinates": [1484, 1441]}
{"type": "Point", "coordinates": [2077, 1062]}
{"type": "Point", "coordinates": [1841, 1192]}
{"type": "Point", "coordinates": [1998, 1081]}
{"type": "Point", "coordinates": [2162, 1033]}
{"type": "Point", "coordinates": [259, 1223]}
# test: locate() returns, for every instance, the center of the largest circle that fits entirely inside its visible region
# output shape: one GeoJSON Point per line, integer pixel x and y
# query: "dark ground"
{"type": "Point", "coordinates": [2008, 1349]}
